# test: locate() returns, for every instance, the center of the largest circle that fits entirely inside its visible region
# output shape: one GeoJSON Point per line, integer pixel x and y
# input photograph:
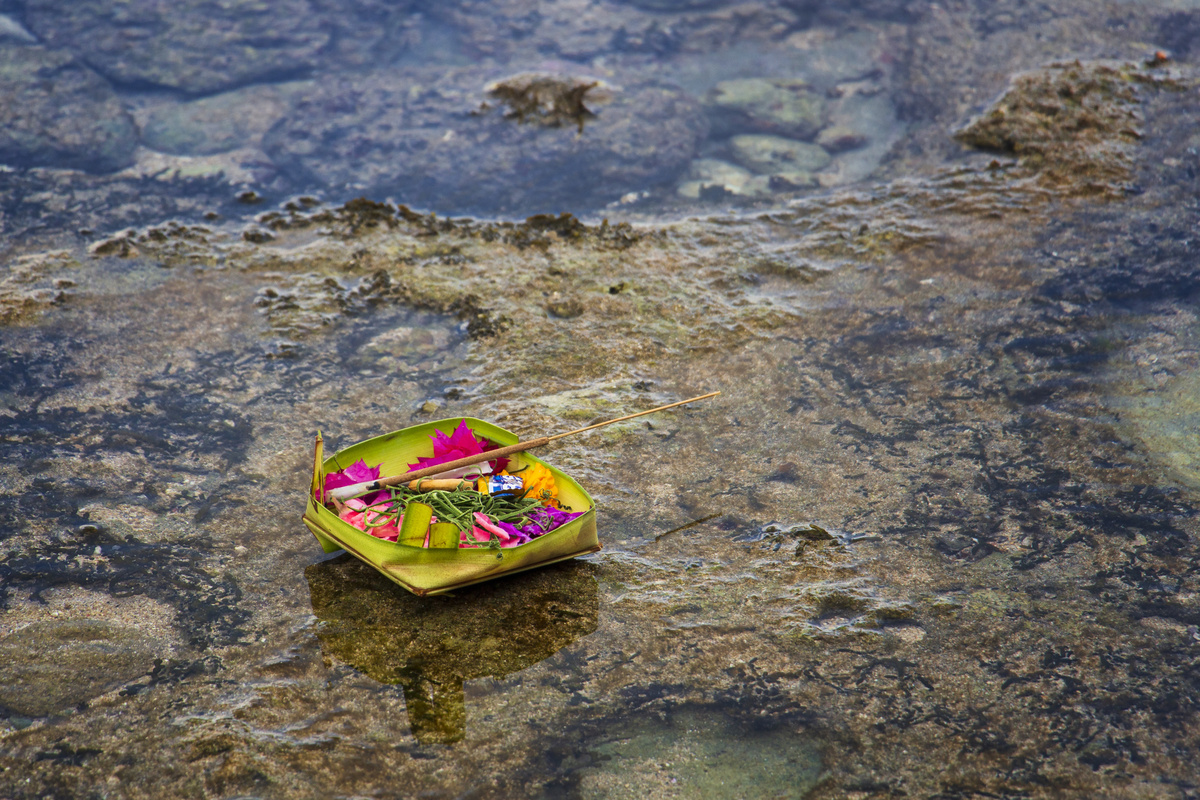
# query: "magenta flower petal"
{"type": "Point", "coordinates": [358, 472]}
{"type": "Point", "coordinates": [462, 439]}
{"type": "Point", "coordinates": [460, 444]}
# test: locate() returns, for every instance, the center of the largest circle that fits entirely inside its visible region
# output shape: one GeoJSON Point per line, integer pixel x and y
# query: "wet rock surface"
{"type": "Point", "coordinates": [49, 667]}
{"type": "Point", "coordinates": [436, 140]}
{"type": "Point", "coordinates": [1073, 123]}
{"type": "Point", "coordinates": [195, 47]}
{"type": "Point", "coordinates": [54, 111]}
{"type": "Point", "coordinates": [936, 538]}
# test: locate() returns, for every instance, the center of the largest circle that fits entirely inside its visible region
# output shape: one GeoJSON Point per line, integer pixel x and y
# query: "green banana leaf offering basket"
{"type": "Point", "coordinates": [509, 515]}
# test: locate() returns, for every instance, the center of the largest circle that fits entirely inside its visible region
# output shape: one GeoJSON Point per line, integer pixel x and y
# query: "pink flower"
{"type": "Point", "coordinates": [485, 528]}
{"type": "Point", "coordinates": [460, 444]}
{"type": "Point", "coordinates": [358, 472]}
{"type": "Point", "coordinates": [356, 512]}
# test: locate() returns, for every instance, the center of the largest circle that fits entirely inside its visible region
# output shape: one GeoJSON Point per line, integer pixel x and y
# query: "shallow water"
{"type": "Point", "coordinates": [936, 537]}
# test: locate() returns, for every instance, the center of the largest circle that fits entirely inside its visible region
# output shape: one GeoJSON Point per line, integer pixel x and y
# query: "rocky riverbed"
{"type": "Point", "coordinates": [936, 537]}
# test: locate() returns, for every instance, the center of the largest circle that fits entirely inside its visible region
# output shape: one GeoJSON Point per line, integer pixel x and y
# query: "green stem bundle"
{"type": "Point", "coordinates": [458, 507]}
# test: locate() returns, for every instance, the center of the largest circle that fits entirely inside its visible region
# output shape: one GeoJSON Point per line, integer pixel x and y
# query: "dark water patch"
{"type": "Point", "coordinates": [1006, 483]}
{"type": "Point", "coordinates": [67, 755]}
{"type": "Point", "coordinates": [198, 48]}
{"type": "Point", "coordinates": [167, 672]}
{"type": "Point", "coordinates": [47, 499]}
{"type": "Point", "coordinates": [1056, 512]}
{"type": "Point", "coordinates": [1179, 32]}
{"type": "Point", "coordinates": [1096, 695]}
{"type": "Point", "coordinates": [179, 573]}
{"type": "Point", "coordinates": [1151, 577]}
{"type": "Point", "coordinates": [1056, 699]}
{"type": "Point", "coordinates": [1112, 261]}
{"type": "Point", "coordinates": [168, 420]}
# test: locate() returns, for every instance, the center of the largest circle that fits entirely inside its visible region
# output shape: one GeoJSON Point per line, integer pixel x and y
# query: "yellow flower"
{"type": "Point", "coordinates": [538, 482]}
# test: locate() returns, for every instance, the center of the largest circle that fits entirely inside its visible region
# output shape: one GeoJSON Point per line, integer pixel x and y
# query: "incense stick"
{"type": "Point", "coordinates": [354, 490]}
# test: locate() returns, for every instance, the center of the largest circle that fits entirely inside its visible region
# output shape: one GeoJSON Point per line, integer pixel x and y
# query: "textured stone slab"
{"type": "Point", "coordinates": [50, 666]}
{"type": "Point", "coordinates": [198, 47]}
{"type": "Point", "coordinates": [56, 112]}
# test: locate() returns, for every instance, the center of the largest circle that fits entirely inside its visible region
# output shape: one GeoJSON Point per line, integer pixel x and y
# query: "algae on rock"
{"type": "Point", "coordinates": [1073, 123]}
{"type": "Point", "coordinates": [769, 155]}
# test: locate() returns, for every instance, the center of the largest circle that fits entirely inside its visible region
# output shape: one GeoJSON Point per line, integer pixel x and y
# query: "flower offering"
{"type": "Point", "coordinates": [492, 504]}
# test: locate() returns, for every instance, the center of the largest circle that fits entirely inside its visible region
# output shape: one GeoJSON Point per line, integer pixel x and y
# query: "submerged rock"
{"type": "Point", "coordinates": [435, 139]}
{"type": "Point", "coordinates": [56, 112]}
{"type": "Point", "coordinates": [862, 129]}
{"type": "Point", "coordinates": [788, 107]}
{"type": "Point", "coordinates": [49, 666]}
{"type": "Point", "coordinates": [712, 177]}
{"type": "Point", "coordinates": [774, 155]}
{"type": "Point", "coordinates": [198, 47]}
{"type": "Point", "coordinates": [219, 123]}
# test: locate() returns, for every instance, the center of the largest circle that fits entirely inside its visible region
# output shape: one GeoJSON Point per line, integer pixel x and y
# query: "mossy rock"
{"type": "Point", "coordinates": [1076, 123]}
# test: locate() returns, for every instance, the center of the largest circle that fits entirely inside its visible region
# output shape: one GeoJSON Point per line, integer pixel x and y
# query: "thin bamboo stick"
{"type": "Point", "coordinates": [354, 490]}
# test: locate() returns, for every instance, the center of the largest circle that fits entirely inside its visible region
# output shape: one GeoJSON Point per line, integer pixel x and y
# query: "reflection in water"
{"type": "Point", "coordinates": [430, 646]}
